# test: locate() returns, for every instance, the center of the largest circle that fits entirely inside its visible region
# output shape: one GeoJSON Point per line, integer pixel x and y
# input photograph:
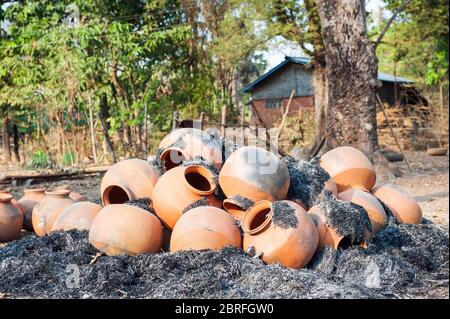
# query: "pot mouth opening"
{"type": "Point", "coordinates": [58, 192]}
{"type": "Point", "coordinates": [115, 194]}
{"type": "Point", "coordinates": [344, 243]}
{"type": "Point", "coordinates": [233, 207]}
{"type": "Point", "coordinates": [199, 179]}
{"type": "Point", "coordinates": [5, 198]}
{"type": "Point", "coordinates": [173, 157]}
{"type": "Point", "coordinates": [257, 217]}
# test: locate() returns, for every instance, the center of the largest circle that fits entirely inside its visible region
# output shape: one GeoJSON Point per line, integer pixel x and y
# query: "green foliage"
{"type": "Point", "coordinates": [416, 45]}
{"type": "Point", "coordinates": [41, 160]}
{"type": "Point", "coordinates": [68, 158]}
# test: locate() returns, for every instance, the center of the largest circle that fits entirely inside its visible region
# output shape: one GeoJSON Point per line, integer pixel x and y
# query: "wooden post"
{"type": "Point", "coordinates": [5, 139]}
{"type": "Point", "coordinates": [91, 124]}
{"type": "Point", "coordinates": [392, 131]}
{"type": "Point", "coordinates": [283, 120]}
{"type": "Point", "coordinates": [224, 120]}
{"type": "Point", "coordinates": [175, 120]}
{"type": "Point", "coordinates": [202, 120]}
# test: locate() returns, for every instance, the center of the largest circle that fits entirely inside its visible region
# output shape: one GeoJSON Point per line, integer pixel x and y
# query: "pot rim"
{"type": "Point", "coordinates": [204, 172]}
{"type": "Point", "coordinates": [58, 192]}
{"type": "Point", "coordinates": [252, 212]}
{"type": "Point", "coordinates": [167, 150]}
{"type": "Point", "coordinates": [34, 190]}
{"type": "Point", "coordinates": [232, 202]}
{"type": "Point", "coordinates": [5, 198]}
{"type": "Point", "coordinates": [229, 201]}
{"type": "Point", "coordinates": [108, 189]}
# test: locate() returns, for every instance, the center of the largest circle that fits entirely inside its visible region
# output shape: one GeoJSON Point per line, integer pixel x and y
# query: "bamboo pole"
{"type": "Point", "coordinates": [283, 120]}
{"type": "Point", "coordinates": [392, 132]}
{"type": "Point", "coordinates": [91, 124]}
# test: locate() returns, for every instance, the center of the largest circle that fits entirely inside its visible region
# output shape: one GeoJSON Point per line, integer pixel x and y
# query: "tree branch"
{"type": "Point", "coordinates": [394, 15]}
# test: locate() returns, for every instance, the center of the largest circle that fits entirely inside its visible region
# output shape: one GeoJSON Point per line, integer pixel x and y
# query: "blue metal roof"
{"type": "Point", "coordinates": [384, 77]}
{"type": "Point", "coordinates": [392, 78]}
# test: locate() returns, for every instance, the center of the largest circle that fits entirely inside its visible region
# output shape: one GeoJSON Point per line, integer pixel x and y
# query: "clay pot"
{"type": "Point", "coordinates": [327, 235]}
{"type": "Point", "coordinates": [11, 219]}
{"type": "Point", "coordinates": [404, 207]}
{"type": "Point", "coordinates": [180, 187]}
{"type": "Point", "coordinates": [187, 143]}
{"type": "Point", "coordinates": [78, 216]}
{"type": "Point", "coordinates": [254, 173]}
{"type": "Point", "coordinates": [74, 196]}
{"type": "Point", "coordinates": [47, 210]}
{"type": "Point", "coordinates": [370, 203]}
{"type": "Point", "coordinates": [14, 201]}
{"type": "Point", "coordinates": [234, 208]}
{"type": "Point", "coordinates": [291, 247]}
{"type": "Point", "coordinates": [205, 227]}
{"type": "Point", "coordinates": [125, 229]}
{"type": "Point", "coordinates": [31, 197]}
{"type": "Point", "coordinates": [349, 168]}
{"type": "Point", "coordinates": [128, 180]}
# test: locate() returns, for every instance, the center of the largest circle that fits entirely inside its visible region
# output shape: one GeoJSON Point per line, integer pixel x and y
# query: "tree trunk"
{"type": "Point", "coordinates": [320, 96]}
{"type": "Point", "coordinates": [103, 116]}
{"type": "Point", "coordinates": [16, 142]}
{"type": "Point", "coordinates": [5, 139]}
{"type": "Point", "coordinates": [351, 71]}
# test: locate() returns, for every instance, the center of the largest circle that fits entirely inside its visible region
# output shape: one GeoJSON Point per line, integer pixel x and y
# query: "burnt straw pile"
{"type": "Point", "coordinates": [402, 261]}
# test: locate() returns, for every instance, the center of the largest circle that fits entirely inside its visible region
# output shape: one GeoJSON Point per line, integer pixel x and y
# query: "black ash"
{"type": "Point", "coordinates": [307, 180]}
{"type": "Point", "coordinates": [284, 215]}
{"type": "Point", "coordinates": [348, 219]}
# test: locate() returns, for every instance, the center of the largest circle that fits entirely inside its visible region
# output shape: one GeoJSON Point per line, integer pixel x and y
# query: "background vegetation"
{"type": "Point", "coordinates": [81, 80]}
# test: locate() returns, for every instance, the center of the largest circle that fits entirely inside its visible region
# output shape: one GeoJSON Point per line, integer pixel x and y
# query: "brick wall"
{"type": "Point", "coordinates": [271, 111]}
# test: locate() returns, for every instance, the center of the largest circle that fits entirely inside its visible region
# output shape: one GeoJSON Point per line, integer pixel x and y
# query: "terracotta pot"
{"type": "Point", "coordinates": [31, 197]}
{"type": "Point", "coordinates": [180, 187]}
{"type": "Point", "coordinates": [128, 180]}
{"type": "Point", "coordinates": [187, 143]}
{"type": "Point", "coordinates": [78, 216]}
{"type": "Point", "coordinates": [74, 196]}
{"type": "Point", "coordinates": [254, 173]}
{"type": "Point", "coordinates": [11, 219]}
{"type": "Point", "coordinates": [234, 208]}
{"type": "Point", "coordinates": [125, 229]}
{"type": "Point", "coordinates": [14, 201]}
{"type": "Point", "coordinates": [374, 209]}
{"type": "Point", "coordinates": [349, 168]}
{"type": "Point", "coordinates": [327, 235]}
{"type": "Point", "coordinates": [291, 247]}
{"type": "Point", "coordinates": [205, 227]}
{"type": "Point", "coordinates": [404, 207]}
{"type": "Point", "coordinates": [47, 210]}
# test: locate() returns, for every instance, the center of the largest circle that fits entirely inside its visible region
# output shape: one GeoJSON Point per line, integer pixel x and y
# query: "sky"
{"type": "Point", "coordinates": [278, 49]}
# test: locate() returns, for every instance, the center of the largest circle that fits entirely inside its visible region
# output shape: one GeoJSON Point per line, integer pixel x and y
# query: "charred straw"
{"type": "Point", "coordinates": [144, 203]}
{"type": "Point", "coordinates": [244, 202]}
{"type": "Point", "coordinates": [284, 215]}
{"type": "Point", "coordinates": [201, 202]}
{"type": "Point", "coordinates": [348, 219]}
{"type": "Point", "coordinates": [307, 180]}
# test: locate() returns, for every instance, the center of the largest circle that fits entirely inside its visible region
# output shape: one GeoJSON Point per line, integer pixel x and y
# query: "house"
{"type": "Point", "coordinates": [270, 92]}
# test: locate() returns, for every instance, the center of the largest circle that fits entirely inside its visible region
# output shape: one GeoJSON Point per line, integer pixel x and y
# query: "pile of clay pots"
{"type": "Point", "coordinates": [192, 197]}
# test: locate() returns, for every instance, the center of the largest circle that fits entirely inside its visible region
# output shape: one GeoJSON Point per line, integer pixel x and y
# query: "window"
{"type": "Point", "coordinates": [273, 103]}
